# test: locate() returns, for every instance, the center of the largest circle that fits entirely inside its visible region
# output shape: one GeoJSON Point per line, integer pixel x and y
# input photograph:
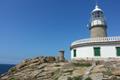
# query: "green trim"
{"type": "Point", "coordinates": [74, 52]}
{"type": "Point", "coordinates": [118, 51]}
{"type": "Point", "coordinates": [96, 51]}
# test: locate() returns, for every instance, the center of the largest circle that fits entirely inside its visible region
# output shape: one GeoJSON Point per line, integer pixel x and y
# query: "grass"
{"type": "Point", "coordinates": [12, 79]}
{"type": "Point", "coordinates": [88, 78]}
{"type": "Point", "coordinates": [82, 64]}
{"type": "Point", "coordinates": [57, 65]}
{"type": "Point", "coordinates": [56, 74]}
{"type": "Point", "coordinates": [75, 78]}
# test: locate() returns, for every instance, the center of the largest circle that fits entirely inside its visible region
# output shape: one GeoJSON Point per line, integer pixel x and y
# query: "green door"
{"type": "Point", "coordinates": [74, 52]}
{"type": "Point", "coordinates": [96, 51]}
{"type": "Point", "coordinates": [118, 51]}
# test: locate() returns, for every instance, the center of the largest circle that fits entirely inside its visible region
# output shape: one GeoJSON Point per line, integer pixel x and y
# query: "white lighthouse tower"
{"type": "Point", "coordinates": [99, 45]}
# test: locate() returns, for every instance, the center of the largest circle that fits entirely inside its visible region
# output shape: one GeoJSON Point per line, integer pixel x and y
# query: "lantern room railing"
{"type": "Point", "coordinates": [99, 39]}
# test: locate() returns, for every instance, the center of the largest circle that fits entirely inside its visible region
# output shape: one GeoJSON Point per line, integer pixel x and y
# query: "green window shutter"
{"type": "Point", "coordinates": [74, 52]}
{"type": "Point", "coordinates": [118, 51]}
{"type": "Point", "coordinates": [96, 51]}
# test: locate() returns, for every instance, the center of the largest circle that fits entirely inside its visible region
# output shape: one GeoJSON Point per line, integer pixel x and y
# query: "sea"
{"type": "Point", "coordinates": [5, 67]}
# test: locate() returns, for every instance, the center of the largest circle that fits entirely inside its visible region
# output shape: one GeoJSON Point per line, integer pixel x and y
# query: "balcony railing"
{"type": "Point", "coordinates": [99, 39]}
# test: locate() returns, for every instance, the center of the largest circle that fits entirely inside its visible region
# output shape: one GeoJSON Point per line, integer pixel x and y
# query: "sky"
{"type": "Point", "coordinates": [30, 28]}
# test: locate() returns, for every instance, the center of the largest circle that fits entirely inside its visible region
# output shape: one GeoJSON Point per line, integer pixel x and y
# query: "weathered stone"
{"type": "Point", "coordinates": [99, 69]}
{"type": "Point", "coordinates": [116, 71]}
{"type": "Point", "coordinates": [67, 70]}
{"type": "Point", "coordinates": [97, 76]}
{"type": "Point", "coordinates": [41, 66]}
{"type": "Point", "coordinates": [46, 68]}
{"type": "Point", "coordinates": [63, 78]}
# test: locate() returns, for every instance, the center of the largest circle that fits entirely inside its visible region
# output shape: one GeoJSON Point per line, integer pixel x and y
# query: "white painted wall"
{"type": "Point", "coordinates": [88, 52]}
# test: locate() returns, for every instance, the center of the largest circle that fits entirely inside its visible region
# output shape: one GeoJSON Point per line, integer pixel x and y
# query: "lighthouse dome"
{"type": "Point", "coordinates": [97, 9]}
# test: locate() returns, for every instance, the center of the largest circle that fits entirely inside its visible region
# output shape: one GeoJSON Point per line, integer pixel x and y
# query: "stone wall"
{"type": "Point", "coordinates": [98, 31]}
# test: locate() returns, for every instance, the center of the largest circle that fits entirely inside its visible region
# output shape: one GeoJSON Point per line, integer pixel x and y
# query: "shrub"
{"type": "Point", "coordinates": [57, 65]}
{"type": "Point", "coordinates": [13, 69]}
{"type": "Point", "coordinates": [82, 64]}
{"type": "Point", "coordinates": [75, 78]}
{"type": "Point", "coordinates": [88, 78]}
{"type": "Point", "coordinates": [12, 79]}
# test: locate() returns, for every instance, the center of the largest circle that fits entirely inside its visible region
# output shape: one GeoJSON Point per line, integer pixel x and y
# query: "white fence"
{"type": "Point", "coordinates": [99, 39]}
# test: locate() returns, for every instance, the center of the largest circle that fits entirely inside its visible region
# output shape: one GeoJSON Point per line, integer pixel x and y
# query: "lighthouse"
{"type": "Point", "coordinates": [99, 46]}
{"type": "Point", "coordinates": [98, 26]}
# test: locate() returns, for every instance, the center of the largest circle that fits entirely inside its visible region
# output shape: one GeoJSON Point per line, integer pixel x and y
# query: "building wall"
{"type": "Point", "coordinates": [88, 52]}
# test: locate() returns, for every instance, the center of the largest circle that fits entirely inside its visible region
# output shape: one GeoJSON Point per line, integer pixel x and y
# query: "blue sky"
{"type": "Point", "coordinates": [30, 28]}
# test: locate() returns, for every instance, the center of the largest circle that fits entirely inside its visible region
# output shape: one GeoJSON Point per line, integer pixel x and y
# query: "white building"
{"type": "Point", "coordinates": [98, 46]}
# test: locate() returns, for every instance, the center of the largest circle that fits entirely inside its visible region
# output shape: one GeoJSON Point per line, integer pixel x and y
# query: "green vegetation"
{"type": "Point", "coordinates": [12, 79]}
{"type": "Point", "coordinates": [56, 74]}
{"type": "Point", "coordinates": [108, 72]}
{"type": "Point", "coordinates": [82, 64]}
{"type": "Point", "coordinates": [88, 78]}
{"type": "Point", "coordinates": [108, 69]}
{"type": "Point", "coordinates": [57, 65]}
{"type": "Point", "coordinates": [75, 78]}
{"type": "Point", "coordinates": [13, 69]}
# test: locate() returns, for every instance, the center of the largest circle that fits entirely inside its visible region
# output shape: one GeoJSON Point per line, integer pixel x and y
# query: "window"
{"type": "Point", "coordinates": [74, 52]}
{"type": "Point", "coordinates": [96, 51]}
{"type": "Point", "coordinates": [118, 51]}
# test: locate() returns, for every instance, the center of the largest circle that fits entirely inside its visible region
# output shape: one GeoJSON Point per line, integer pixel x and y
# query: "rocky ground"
{"type": "Point", "coordinates": [49, 68]}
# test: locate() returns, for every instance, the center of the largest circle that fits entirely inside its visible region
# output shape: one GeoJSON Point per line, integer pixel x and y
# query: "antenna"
{"type": "Point", "coordinates": [96, 6]}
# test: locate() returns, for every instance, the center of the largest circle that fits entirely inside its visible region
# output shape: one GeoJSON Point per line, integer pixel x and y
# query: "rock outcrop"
{"type": "Point", "coordinates": [50, 68]}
